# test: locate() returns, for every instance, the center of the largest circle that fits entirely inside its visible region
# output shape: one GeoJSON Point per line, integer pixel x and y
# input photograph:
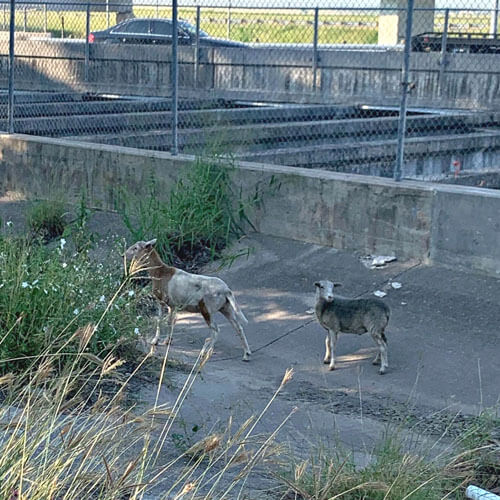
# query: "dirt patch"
{"type": "Point", "coordinates": [417, 417]}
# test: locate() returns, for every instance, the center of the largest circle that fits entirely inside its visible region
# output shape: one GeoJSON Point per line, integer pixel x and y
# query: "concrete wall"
{"type": "Point", "coordinates": [279, 73]}
{"type": "Point", "coordinates": [452, 225]}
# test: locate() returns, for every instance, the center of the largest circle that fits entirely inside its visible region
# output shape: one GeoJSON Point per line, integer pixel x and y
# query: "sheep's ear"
{"type": "Point", "coordinates": [337, 284]}
{"type": "Point", "coordinates": [317, 283]}
{"type": "Point", "coordinates": [150, 243]}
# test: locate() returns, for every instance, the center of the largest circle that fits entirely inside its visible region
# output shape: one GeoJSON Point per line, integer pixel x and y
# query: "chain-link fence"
{"type": "Point", "coordinates": [320, 87]}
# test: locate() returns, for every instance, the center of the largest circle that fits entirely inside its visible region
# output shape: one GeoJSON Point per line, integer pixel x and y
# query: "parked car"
{"type": "Point", "coordinates": [157, 31]}
{"type": "Point", "coordinates": [456, 42]}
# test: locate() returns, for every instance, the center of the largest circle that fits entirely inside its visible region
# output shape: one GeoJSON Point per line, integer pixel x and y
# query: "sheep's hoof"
{"type": "Point", "coordinates": [331, 368]}
{"type": "Point", "coordinates": [376, 361]}
{"type": "Point", "coordinates": [326, 361]}
{"type": "Point", "coordinates": [153, 341]}
{"type": "Point", "coordinates": [246, 357]}
{"type": "Point", "coordinates": [383, 370]}
{"type": "Point", "coordinates": [164, 342]}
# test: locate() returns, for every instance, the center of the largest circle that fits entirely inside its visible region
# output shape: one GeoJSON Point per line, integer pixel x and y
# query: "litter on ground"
{"type": "Point", "coordinates": [377, 261]}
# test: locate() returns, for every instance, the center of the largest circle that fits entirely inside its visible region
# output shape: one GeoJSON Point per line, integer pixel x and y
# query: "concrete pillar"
{"type": "Point", "coordinates": [124, 15]}
{"type": "Point", "coordinates": [391, 25]}
{"type": "Point", "coordinates": [123, 8]}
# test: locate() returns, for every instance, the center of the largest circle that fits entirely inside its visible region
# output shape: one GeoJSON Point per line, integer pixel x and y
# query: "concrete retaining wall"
{"type": "Point", "coordinates": [277, 73]}
{"type": "Point", "coordinates": [452, 225]}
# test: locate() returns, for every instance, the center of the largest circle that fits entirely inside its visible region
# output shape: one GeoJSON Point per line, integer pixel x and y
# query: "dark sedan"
{"type": "Point", "coordinates": [157, 31]}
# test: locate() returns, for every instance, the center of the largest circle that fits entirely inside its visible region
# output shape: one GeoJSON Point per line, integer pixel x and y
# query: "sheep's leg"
{"type": "Point", "coordinates": [331, 345]}
{"type": "Point", "coordinates": [208, 318]}
{"type": "Point", "coordinates": [171, 319]}
{"type": "Point", "coordinates": [376, 360]}
{"type": "Point", "coordinates": [230, 316]}
{"type": "Point", "coordinates": [154, 340]}
{"type": "Point", "coordinates": [381, 341]}
{"type": "Point", "coordinates": [328, 352]}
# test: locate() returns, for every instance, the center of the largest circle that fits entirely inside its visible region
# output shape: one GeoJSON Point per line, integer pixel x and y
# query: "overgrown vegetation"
{"type": "Point", "coordinates": [400, 471]}
{"type": "Point", "coordinates": [193, 223]}
{"type": "Point", "coordinates": [50, 293]}
{"type": "Point", "coordinates": [56, 445]}
{"type": "Point", "coordinates": [46, 219]}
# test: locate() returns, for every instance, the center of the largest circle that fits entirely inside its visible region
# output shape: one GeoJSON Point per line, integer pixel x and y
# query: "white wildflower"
{"type": "Point", "coordinates": [9, 223]}
{"type": "Point", "coordinates": [45, 291]}
{"type": "Point", "coordinates": [25, 284]}
{"type": "Point", "coordinates": [76, 311]}
{"type": "Point", "coordinates": [34, 283]}
{"type": "Point", "coordinates": [131, 293]}
{"type": "Point", "coordinates": [64, 265]}
{"type": "Point", "coordinates": [62, 243]}
{"type": "Point", "coordinates": [102, 298]}
{"type": "Point", "coordinates": [136, 331]}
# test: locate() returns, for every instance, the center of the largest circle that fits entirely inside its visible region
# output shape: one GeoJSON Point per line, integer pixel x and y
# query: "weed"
{"type": "Point", "coordinates": [48, 295]}
{"type": "Point", "coordinates": [77, 230]}
{"type": "Point", "coordinates": [198, 220]}
{"type": "Point", "coordinates": [397, 473]}
{"type": "Point", "coordinates": [45, 218]}
{"type": "Point", "coordinates": [54, 445]}
{"type": "Point", "coordinates": [184, 440]}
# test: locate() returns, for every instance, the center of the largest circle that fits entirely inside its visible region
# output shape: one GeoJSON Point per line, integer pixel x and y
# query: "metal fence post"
{"type": "Point", "coordinates": [444, 59]}
{"type": "Point", "coordinates": [107, 13]}
{"type": "Point", "coordinates": [12, 29]}
{"type": "Point", "coordinates": [229, 21]}
{"type": "Point", "coordinates": [45, 23]}
{"type": "Point", "coordinates": [494, 20]}
{"type": "Point", "coordinates": [25, 18]}
{"type": "Point", "coordinates": [87, 43]}
{"type": "Point", "coordinates": [197, 49]}
{"type": "Point", "coordinates": [175, 79]}
{"type": "Point", "coordinates": [315, 49]}
{"type": "Point", "coordinates": [405, 88]}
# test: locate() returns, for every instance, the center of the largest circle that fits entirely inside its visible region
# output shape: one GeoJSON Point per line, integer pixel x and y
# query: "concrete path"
{"type": "Point", "coordinates": [444, 349]}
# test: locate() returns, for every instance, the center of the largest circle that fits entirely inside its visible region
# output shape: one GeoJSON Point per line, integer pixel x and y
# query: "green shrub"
{"type": "Point", "coordinates": [47, 294]}
{"type": "Point", "coordinates": [200, 217]}
{"type": "Point", "coordinates": [45, 218]}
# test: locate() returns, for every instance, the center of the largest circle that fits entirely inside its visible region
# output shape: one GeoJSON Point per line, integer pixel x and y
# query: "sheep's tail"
{"type": "Point", "coordinates": [236, 307]}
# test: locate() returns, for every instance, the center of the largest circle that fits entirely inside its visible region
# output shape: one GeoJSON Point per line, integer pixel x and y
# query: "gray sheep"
{"type": "Point", "coordinates": [338, 314]}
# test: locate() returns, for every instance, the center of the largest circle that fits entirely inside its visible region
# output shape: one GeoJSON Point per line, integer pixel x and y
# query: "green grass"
{"type": "Point", "coordinates": [46, 219]}
{"type": "Point", "coordinates": [50, 294]}
{"type": "Point", "coordinates": [199, 217]}
{"type": "Point", "coordinates": [264, 26]}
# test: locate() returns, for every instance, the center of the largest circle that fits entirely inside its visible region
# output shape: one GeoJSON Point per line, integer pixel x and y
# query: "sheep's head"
{"type": "Point", "coordinates": [324, 289]}
{"type": "Point", "coordinates": [138, 250]}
